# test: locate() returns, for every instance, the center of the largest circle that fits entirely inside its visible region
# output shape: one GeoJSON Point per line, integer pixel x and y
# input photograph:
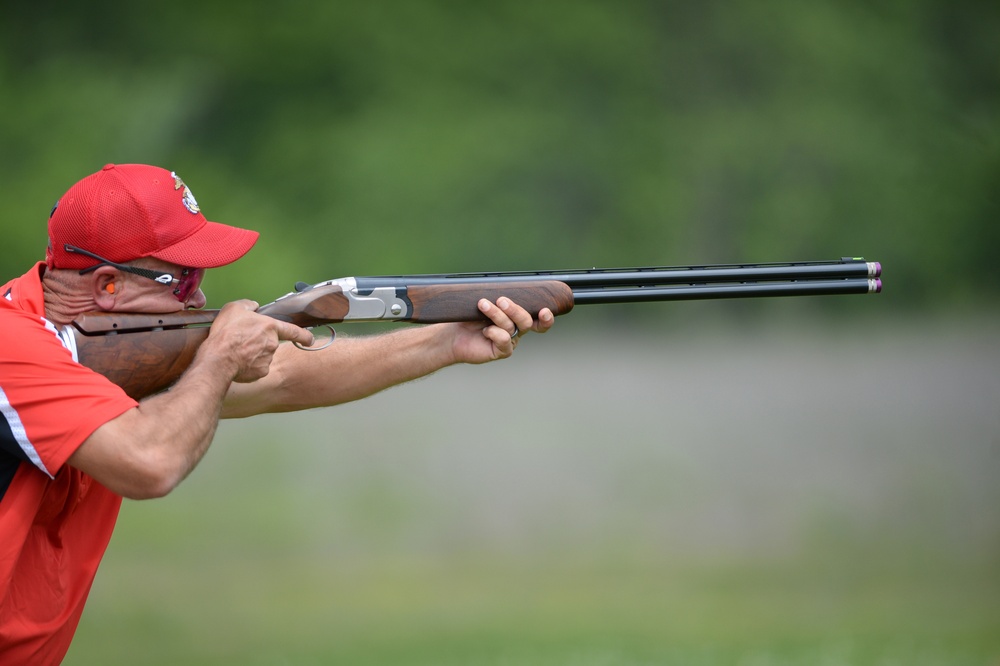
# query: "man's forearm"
{"type": "Point", "coordinates": [148, 450]}
{"type": "Point", "coordinates": [349, 369]}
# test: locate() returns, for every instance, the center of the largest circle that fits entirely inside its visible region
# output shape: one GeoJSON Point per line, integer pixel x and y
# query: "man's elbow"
{"type": "Point", "coordinates": [136, 460]}
{"type": "Point", "coordinates": [150, 477]}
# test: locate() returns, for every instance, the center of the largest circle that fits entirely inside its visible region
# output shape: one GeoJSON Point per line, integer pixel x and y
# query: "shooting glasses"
{"type": "Point", "coordinates": [187, 283]}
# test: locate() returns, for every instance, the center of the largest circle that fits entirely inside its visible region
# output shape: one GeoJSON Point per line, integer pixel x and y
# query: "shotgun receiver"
{"type": "Point", "coordinates": [146, 353]}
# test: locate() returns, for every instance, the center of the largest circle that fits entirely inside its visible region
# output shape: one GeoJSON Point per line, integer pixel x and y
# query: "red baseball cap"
{"type": "Point", "coordinates": [129, 211]}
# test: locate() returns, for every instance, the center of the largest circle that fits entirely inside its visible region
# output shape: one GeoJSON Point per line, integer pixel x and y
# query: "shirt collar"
{"type": "Point", "coordinates": [25, 292]}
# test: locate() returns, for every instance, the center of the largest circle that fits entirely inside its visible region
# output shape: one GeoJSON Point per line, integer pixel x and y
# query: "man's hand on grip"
{"type": "Point", "coordinates": [248, 340]}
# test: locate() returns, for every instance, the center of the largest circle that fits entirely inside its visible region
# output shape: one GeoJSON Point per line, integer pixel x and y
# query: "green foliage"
{"type": "Point", "coordinates": [366, 138]}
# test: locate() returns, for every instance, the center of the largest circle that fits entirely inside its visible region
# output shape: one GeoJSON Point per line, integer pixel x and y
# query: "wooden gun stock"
{"type": "Point", "coordinates": [143, 354]}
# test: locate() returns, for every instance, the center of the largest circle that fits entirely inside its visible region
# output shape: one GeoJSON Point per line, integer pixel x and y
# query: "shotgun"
{"type": "Point", "coordinates": [146, 353]}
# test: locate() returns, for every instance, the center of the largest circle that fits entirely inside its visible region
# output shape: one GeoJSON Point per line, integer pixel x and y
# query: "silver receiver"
{"type": "Point", "coordinates": [381, 303]}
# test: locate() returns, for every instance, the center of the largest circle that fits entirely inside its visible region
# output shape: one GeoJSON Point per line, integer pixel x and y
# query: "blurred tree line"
{"type": "Point", "coordinates": [428, 136]}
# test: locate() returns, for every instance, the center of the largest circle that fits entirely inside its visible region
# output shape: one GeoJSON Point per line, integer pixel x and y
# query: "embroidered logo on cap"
{"type": "Point", "coordinates": [188, 199]}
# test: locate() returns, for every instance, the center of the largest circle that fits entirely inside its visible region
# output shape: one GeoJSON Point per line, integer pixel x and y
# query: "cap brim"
{"type": "Point", "coordinates": [211, 246]}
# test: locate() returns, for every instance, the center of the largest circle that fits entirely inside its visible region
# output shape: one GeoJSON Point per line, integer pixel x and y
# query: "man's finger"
{"type": "Point", "coordinates": [294, 333]}
{"type": "Point", "coordinates": [497, 314]}
{"type": "Point", "coordinates": [521, 318]}
{"type": "Point", "coordinates": [501, 340]}
{"type": "Point", "coordinates": [545, 320]}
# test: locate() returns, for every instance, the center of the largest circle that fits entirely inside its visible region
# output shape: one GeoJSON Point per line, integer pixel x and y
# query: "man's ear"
{"type": "Point", "coordinates": [106, 283]}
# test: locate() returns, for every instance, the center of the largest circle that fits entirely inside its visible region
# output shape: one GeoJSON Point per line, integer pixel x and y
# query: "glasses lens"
{"type": "Point", "coordinates": [188, 283]}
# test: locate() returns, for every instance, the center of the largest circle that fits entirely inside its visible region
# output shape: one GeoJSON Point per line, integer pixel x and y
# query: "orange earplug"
{"type": "Point", "coordinates": [110, 288]}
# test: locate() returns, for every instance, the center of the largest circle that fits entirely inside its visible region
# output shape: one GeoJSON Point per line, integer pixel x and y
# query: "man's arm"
{"type": "Point", "coordinates": [354, 368]}
{"type": "Point", "coordinates": [241, 369]}
{"type": "Point", "coordinates": [151, 448]}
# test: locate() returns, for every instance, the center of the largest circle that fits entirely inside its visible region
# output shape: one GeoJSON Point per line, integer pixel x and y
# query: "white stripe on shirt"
{"type": "Point", "coordinates": [21, 437]}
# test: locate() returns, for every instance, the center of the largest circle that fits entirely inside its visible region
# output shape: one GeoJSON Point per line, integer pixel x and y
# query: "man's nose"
{"type": "Point", "coordinates": [197, 300]}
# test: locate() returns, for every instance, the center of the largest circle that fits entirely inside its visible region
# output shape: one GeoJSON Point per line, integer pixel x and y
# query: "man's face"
{"type": "Point", "coordinates": [144, 295]}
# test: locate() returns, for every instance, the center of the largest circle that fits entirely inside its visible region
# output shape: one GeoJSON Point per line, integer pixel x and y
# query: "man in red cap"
{"type": "Point", "coordinates": [132, 238]}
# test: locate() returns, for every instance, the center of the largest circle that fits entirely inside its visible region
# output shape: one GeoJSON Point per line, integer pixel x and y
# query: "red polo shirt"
{"type": "Point", "coordinates": [55, 521]}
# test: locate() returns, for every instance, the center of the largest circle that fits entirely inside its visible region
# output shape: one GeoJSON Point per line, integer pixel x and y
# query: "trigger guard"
{"type": "Point", "coordinates": [329, 341]}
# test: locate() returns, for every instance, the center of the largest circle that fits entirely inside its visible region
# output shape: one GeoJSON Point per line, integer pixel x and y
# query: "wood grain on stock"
{"type": "Point", "coordinates": [142, 353]}
{"type": "Point", "coordinates": [144, 362]}
{"type": "Point", "coordinates": [99, 323]}
{"type": "Point", "coordinates": [313, 307]}
{"type": "Point", "coordinates": [459, 302]}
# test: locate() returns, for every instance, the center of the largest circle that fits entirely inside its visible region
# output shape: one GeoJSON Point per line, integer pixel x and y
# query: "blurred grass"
{"type": "Point", "coordinates": [247, 609]}
{"type": "Point", "coordinates": [781, 496]}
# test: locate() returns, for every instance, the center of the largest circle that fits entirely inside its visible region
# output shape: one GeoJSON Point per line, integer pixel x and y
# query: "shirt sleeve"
{"type": "Point", "coordinates": [51, 403]}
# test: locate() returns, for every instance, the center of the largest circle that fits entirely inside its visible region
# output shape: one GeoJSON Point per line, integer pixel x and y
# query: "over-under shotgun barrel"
{"type": "Point", "coordinates": [607, 278]}
{"type": "Point", "coordinates": [667, 283]}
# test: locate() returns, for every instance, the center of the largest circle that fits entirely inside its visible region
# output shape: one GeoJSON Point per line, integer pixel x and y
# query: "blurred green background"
{"type": "Point", "coordinates": [388, 137]}
{"type": "Point", "coordinates": [774, 482]}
